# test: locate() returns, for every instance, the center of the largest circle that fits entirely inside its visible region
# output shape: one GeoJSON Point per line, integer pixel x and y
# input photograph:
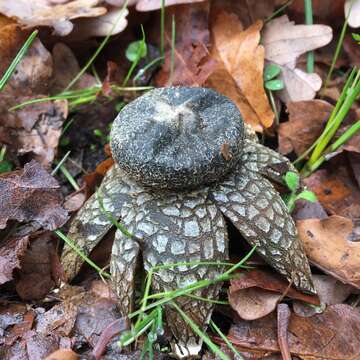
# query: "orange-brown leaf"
{"type": "Point", "coordinates": [243, 58]}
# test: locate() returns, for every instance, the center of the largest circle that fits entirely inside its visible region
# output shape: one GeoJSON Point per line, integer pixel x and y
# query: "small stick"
{"type": "Point", "coordinates": [116, 327]}
{"type": "Point", "coordinates": [283, 317]}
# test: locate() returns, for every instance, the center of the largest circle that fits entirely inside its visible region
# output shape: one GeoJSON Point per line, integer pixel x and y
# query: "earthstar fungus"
{"type": "Point", "coordinates": [184, 161]}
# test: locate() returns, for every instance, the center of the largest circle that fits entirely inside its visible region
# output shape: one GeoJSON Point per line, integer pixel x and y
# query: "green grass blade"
{"type": "Point", "coordinates": [78, 251]}
{"type": "Point", "coordinates": [309, 21]}
{"type": "Point", "coordinates": [21, 53]}
{"type": "Point", "coordinates": [226, 340]}
{"type": "Point", "coordinates": [212, 346]}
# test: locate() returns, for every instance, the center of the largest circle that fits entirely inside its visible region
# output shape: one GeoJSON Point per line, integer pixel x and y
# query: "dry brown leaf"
{"type": "Point", "coordinates": [243, 58]}
{"type": "Point", "coordinates": [332, 335]}
{"type": "Point", "coordinates": [271, 281]}
{"type": "Point", "coordinates": [222, 81]}
{"type": "Point", "coordinates": [337, 191]}
{"type": "Point", "coordinates": [257, 292]}
{"type": "Point", "coordinates": [34, 129]}
{"type": "Point", "coordinates": [48, 13]}
{"type": "Point", "coordinates": [65, 68]}
{"type": "Point", "coordinates": [33, 73]}
{"type": "Point", "coordinates": [246, 10]}
{"type": "Point", "coordinates": [35, 279]}
{"type": "Point", "coordinates": [253, 303]}
{"type": "Point", "coordinates": [306, 122]}
{"type": "Point", "coordinates": [31, 195]}
{"type": "Point", "coordinates": [328, 246]}
{"type": "Point", "coordinates": [332, 291]}
{"type": "Point", "coordinates": [11, 251]}
{"type": "Point", "coordinates": [192, 63]}
{"type": "Point", "coordinates": [149, 5]}
{"type": "Point", "coordinates": [63, 354]}
{"type": "Point", "coordinates": [11, 40]}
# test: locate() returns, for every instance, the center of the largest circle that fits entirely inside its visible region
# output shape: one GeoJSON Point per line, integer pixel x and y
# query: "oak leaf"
{"type": "Point", "coordinates": [284, 42]}
{"type": "Point", "coordinates": [243, 59]}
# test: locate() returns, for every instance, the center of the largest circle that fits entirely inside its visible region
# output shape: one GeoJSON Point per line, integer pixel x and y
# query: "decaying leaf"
{"type": "Point", "coordinates": [328, 245]}
{"type": "Point", "coordinates": [149, 5]}
{"type": "Point", "coordinates": [35, 279]}
{"type": "Point", "coordinates": [243, 59]}
{"type": "Point", "coordinates": [253, 303]}
{"type": "Point", "coordinates": [257, 292]}
{"type": "Point", "coordinates": [332, 291]}
{"type": "Point", "coordinates": [337, 191]}
{"type": "Point", "coordinates": [33, 130]}
{"type": "Point", "coordinates": [31, 195]}
{"type": "Point", "coordinates": [50, 13]}
{"type": "Point", "coordinates": [11, 40]}
{"type": "Point", "coordinates": [306, 122]}
{"type": "Point", "coordinates": [284, 42]}
{"type": "Point", "coordinates": [33, 73]}
{"type": "Point", "coordinates": [192, 63]}
{"type": "Point", "coordinates": [80, 312]}
{"type": "Point", "coordinates": [11, 250]}
{"type": "Point", "coordinates": [332, 335]}
{"type": "Point", "coordinates": [65, 68]}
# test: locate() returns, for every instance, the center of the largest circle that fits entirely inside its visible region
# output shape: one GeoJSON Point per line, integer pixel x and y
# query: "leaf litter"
{"type": "Point", "coordinates": [223, 45]}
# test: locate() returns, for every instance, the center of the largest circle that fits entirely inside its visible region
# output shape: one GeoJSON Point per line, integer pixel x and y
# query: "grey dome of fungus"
{"type": "Point", "coordinates": [177, 138]}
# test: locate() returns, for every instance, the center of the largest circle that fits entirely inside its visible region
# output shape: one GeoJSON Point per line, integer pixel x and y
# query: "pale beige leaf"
{"type": "Point", "coordinates": [46, 13]}
{"type": "Point", "coordinates": [148, 5]}
{"type": "Point", "coordinates": [354, 16]}
{"type": "Point", "coordinates": [299, 85]}
{"type": "Point", "coordinates": [284, 41]}
{"type": "Point", "coordinates": [103, 25]}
